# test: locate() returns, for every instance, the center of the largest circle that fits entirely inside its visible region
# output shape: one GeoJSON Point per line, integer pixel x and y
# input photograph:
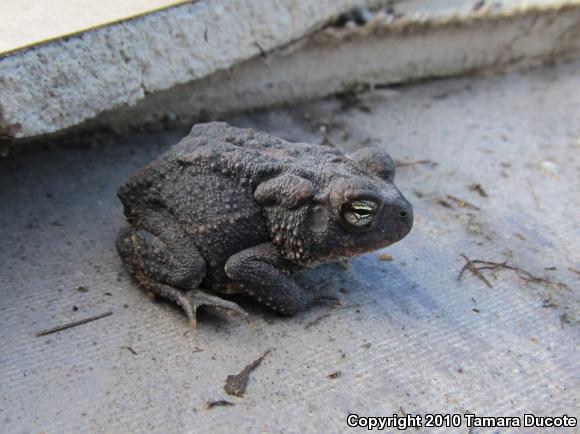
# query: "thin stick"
{"type": "Point", "coordinates": [413, 163]}
{"type": "Point", "coordinates": [534, 195]}
{"type": "Point", "coordinates": [72, 324]}
{"type": "Point", "coordinates": [469, 265]}
{"type": "Point", "coordinates": [477, 265]}
{"type": "Point", "coordinates": [317, 320]}
{"type": "Point", "coordinates": [523, 274]}
{"type": "Point", "coordinates": [463, 203]}
{"type": "Point", "coordinates": [334, 308]}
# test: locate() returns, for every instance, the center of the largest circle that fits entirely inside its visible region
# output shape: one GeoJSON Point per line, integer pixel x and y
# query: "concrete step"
{"type": "Point", "coordinates": [52, 86]}
{"type": "Point", "coordinates": [208, 59]}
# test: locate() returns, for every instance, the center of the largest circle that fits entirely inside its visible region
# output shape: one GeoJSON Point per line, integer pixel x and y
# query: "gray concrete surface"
{"type": "Point", "coordinates": [409, 336]}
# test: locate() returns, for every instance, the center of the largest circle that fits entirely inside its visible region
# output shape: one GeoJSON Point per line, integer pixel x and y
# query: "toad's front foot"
{"type": "Point", "coordinates": [193, 299]}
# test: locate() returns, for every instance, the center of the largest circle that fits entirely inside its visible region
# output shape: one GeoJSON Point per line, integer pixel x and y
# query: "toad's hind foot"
{"type": "Point", "coordinates": [193, 299]}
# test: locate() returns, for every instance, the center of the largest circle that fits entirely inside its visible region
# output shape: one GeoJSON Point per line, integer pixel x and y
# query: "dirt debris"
{"type": "Point", "coordinates": [564, 319]}
{"type": "Point", "coordinates": [236, 384]}
{"type": "Point", "coordinates": [477, 187]}
{"type": "Point", "coordinates": [418, 193]}
{"type": "Point", "coordinates": [218, 403]}
{"type": "Point", "coordinates": [474, 226]}
{"type": "Point", "coordinates": [444, 203]}
{"type": "Point", "coordinates": [549, 167]}
{"type": "Point", "coordinates": [334, 375]}
{"type": "Point", "coordinates": [478, 5]}
{"type": "Point", "coordinates": [549, 304]}
{"type": "Point", "coordinates": [344, 264]}
{"type": "Point", "coordinates": [356, 100]}
{"type": "Point", "coordinates": [385, 257]}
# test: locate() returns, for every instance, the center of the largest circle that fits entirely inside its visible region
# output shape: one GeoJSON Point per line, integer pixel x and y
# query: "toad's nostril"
{"type": "Point", "coordinates": [405, 211]}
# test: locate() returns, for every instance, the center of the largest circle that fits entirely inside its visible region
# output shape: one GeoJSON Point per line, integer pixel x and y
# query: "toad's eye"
{"type": "Point", "coordinates": [358, 214]}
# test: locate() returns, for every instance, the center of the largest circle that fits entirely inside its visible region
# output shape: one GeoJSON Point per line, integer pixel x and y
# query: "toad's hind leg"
{"type": "Point", "coordinates": [193, 299]}
{"type": "Point", "coordinates": [171, 270]}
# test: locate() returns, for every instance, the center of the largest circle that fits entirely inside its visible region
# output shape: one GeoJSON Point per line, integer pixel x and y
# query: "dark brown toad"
{"type": "Point", "coordinates": [233, 206]}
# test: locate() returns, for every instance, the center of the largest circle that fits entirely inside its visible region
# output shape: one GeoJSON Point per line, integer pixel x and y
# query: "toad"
{"type": "Point", "coordinates": [229, 207]}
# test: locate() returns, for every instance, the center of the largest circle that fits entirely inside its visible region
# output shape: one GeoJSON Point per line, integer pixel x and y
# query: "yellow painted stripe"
{"type": "Point", "coordinates": [25, 23]}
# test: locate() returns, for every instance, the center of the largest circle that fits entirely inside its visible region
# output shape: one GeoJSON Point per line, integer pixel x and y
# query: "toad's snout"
{"type": "Point", "coordinates": [399, 214]}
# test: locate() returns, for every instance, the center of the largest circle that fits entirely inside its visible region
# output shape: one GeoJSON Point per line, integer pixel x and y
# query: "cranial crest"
{"type": "Point", "coordinates": [287, 190]}
{"type": "Point", "coordinates": [375, 160]}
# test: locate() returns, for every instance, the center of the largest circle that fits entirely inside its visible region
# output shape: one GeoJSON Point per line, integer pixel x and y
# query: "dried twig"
{"type": "Point", "coordinates": [477, 265]}
{"type": "Point", "coordinates": [461, 203]}
{"type": "Point", "coordinates": [469, 265]}
{"type": "Point", "coordinates": [523, 274]}
{"type": "Point", "coordinates": [72, 324]}
{"type": "Point", "coordinates": [534, 195]}
{"type": "Point", "coordinates": [131, 350]}
{"type": "Point", "coordinates": [414, 163]}
{"type": "Point", "coordinates": [335, 307]}
{"type": "Point", "coordinates": [317, 320]}
{"type": "Point", "coordinates": [218, 403]}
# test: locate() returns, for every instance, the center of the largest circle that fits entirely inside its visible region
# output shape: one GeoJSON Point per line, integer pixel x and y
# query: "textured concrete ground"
{"type": "Point", "coordinates": [409, 337]}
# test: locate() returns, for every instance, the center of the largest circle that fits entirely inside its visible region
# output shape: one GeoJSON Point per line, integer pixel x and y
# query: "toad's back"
{"type": "Point", "coordinates": [206, 184]}
{"type": "Point", "coordinates": [227, 204]}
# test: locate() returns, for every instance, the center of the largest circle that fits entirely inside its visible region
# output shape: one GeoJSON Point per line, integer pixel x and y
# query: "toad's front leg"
{"type": "Point", "coordinates": [265, 275]}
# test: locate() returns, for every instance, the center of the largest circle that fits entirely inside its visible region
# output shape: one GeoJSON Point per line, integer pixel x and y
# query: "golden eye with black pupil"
{"type": "Point", "coordinates": [358, 213]}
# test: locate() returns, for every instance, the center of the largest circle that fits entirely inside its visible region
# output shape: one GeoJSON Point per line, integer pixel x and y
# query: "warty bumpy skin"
{"type": "Point", "coordinates": [234, 206]}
